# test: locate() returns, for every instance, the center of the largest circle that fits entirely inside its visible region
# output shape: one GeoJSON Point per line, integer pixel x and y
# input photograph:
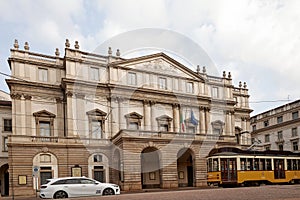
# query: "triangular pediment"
{"type": "Point", "coordinates": [44, 113]}
{"type": "Point", "coordinates": [159, 63]}
{"type": "Point", "coordinates": [96, 112]}
{"type": "Point", "coordinates": [134, 115]}
{"type": "Point", "coordinates": [164, 118]}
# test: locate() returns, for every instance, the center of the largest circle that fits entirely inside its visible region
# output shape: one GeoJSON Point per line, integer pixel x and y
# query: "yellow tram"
{"type": "Point", "coordinates": [233, 166]}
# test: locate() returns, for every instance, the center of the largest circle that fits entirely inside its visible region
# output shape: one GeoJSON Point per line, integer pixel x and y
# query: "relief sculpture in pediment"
{"type": "Point", "coordinates": [159, 65]}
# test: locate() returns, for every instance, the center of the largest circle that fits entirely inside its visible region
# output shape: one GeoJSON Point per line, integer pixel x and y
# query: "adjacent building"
{"type": "Point", "coordinates": [6, 129]}
{"type": "Point", "coordinates": [278, 128]}
{"type": "Point", "coordinates": [142, 122]}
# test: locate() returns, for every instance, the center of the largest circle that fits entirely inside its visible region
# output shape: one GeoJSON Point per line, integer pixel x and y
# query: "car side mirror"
{"type": "Point", "coordinates": [96, 183]}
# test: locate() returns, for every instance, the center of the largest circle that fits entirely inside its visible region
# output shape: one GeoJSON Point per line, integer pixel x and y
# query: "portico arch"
{"type": "Point", "coordinates": [185, 168]}
{"type": "Point", "coordinates": [4, 178]}
{"type": "Point", "coordinates": [150, 168]}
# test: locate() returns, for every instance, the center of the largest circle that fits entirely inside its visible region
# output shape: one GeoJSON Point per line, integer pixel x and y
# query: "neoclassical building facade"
{"type": "Point", "coordinates": [277, 128]}
{"type": "Point", "coordinates": [142, 122]}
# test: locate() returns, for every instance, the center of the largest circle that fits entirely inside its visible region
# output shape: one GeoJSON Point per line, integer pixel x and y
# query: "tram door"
{"type": "Point", "coordinates": [279, 172]}
{"type": "Point", "coordinates": [228, 170]}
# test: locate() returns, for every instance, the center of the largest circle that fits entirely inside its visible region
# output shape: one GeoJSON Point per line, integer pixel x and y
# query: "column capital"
{"type": "Point", "coordinates": [27, 97]}
{"type": "Point", "coordinates": [80, 95]}
{"type": "Point", "coordinates": [16, 96]}
{"type": "Point", "coordinates": [69, 94]}
{"type": "Point", "coordinates": [58, 100]}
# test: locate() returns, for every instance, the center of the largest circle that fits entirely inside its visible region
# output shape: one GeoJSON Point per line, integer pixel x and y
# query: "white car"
{"type": "Point", "coordinates": [58, 188]}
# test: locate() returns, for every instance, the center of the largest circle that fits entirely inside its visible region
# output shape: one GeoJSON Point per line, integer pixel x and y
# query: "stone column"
{"type": "Point", "coordinates": [147, 115]}
{"type": "Point", "coordinates": [80, 115]}
{"type": "Point", "coordinates": [60, 117]}
{"type": "Point", "coordinates": [28, 118]}
{"type": "Point", "coordinates": [16, 107]}
{"type": "Point", "coordinates": [176, 118]}
{"type": "Point", "coordinates": [70, 124]}
{"type": "Point", "coordinates": [153, 120]}
{"type": "Point", "coordinates": [114, 116]}
{"type": "Point", "coordinates": [207, 120]}
{"type": "Point", "coordinates": [232, 123]}
{"type": "Point", "coordinates": [122, 120]}
{"type": "Point", "coordinates": [202, 121]}
{"type": "Point", "coordinates": [22, 117]}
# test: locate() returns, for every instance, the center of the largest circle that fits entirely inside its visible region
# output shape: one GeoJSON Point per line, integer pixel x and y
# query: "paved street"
{"type": "Point", "coordinates": [275, 192]}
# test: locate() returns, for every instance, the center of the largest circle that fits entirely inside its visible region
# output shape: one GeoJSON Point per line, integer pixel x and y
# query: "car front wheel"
{"type": "Point", "coordinates": [60, 195]}
{"type": "Point", "coordinates": [108, 191]}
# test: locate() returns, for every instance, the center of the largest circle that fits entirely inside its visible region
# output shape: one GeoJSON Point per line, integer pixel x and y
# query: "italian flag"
{"type": "Point", "coordinates": [182, 125]}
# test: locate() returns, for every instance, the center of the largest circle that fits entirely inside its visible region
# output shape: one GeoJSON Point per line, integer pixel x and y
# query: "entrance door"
{"type": "Point", "coordinates": [99, 176]}
{"type": "Point", "coordinates": [44, 176]}
{"type": "Point", "coordinates": [228, 170]}
{"type": "Point", "coordinates": [279, 172]}
{"type": "Point", "coordinates": [190, 176]}
{"type": "Point", "coordinates": [6, 183]}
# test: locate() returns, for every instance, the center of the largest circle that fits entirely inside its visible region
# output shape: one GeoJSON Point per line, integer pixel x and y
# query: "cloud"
{"type": "Point", "coordinates": [258, 41]}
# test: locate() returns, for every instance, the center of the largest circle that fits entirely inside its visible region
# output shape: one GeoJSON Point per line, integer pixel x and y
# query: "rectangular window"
{"type": "Point", "coordinates": [44, 129]}
{"type": "Point", "coordinates": [97, 158]}
{"type": "Point", "coordinates": [279, 119]}
{"type": "Point", "coordinates": [190, 87]}
{"type": "Point", "coordinates": [5, 141]}
{"type": "Point", "coordinates": [266, 123]}
{"type": "Point", "coordinates": [162, 83]}
{"type": "Point", "coordinates": [280, 147]}
{"type": "Point", "coordinates": [215, 92]}
{"type": "Point", "coordinates": [294, 132]}
{"type": "Point", "coordinates": [217, 131]}
{"type": "Point", "coordinates": [267, 138]}
{"type": "Point", "coordinates": [96, 129]}
{"type": "Point", "coordinates": [164, 127]}
{"type": "Point", "coordinates": [7, 125]}
{"type": "Point", "coordinates": [43, 74]}
{"type": "Point", "coordinates": [295, 115]}
{"type": "Point", "coordinates": [132, 78]}
{"type": "Point", "coordinates": [94, 74]}
{"type": "Point", "coordinates": [267, 148]}
{"type": "Point", "coordinates": [133, 126]}
{"type": "Point", "coordinates": [279, 135]}
{"type": "Point", "coordinates": [236, 101]}
{"type": "Point", "coordinates": [254, 128]}
{"type": "Point", "coordinates": [295, 146]}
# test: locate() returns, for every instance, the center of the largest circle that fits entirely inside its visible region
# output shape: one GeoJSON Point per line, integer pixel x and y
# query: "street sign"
{"type": "Point", "coordinates": [35, 171]}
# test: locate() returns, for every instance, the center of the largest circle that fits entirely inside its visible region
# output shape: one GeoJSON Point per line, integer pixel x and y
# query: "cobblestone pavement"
{"type": "Point", "coordinates": [274, 192]}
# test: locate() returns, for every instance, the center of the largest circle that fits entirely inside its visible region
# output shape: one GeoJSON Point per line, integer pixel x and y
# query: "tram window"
{"type": "Point", "coordinates": [243, 163]}
{"type": "Point", "coordinates": [256, 166]}
{"type": "Point", "coordinates": [209, 165]}
{"type": "Point", "coordinates": [262, 164]}
{"type": "Point", "coordinates": [289, 164]}
{"type": "Point", "coordinates": [215, 165]}
{"type": "Point", "coordinates": [249, 164]}
{"type": "Point", "coordinates": [268, 164]}
{"type": "Point", "coordinates": [298, 162]}
{"type": "Point", "coordinates": [294, 164]}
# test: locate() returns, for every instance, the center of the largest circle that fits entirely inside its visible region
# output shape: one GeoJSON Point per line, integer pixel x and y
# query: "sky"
{"type": "Point", "coordinates": [258, 41]}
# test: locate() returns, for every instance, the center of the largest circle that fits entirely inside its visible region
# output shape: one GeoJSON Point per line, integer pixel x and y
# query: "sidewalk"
{"type": "Point", "coordinates": [122, 192]}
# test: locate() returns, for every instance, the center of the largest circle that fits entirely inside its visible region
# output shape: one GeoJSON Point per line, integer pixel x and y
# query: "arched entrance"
{"type": "Point", "coordinates": [185, 168]}
{"type": "Point", "coordinates": [98, 167]}
{"type": "Point", "coordinates": [150, 168]}
{"type": "Point", "coordinates": [4, 178]}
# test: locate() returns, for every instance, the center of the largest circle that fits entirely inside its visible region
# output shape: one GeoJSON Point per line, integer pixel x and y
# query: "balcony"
{"type": "Point", "coordinates": [39, 140]}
